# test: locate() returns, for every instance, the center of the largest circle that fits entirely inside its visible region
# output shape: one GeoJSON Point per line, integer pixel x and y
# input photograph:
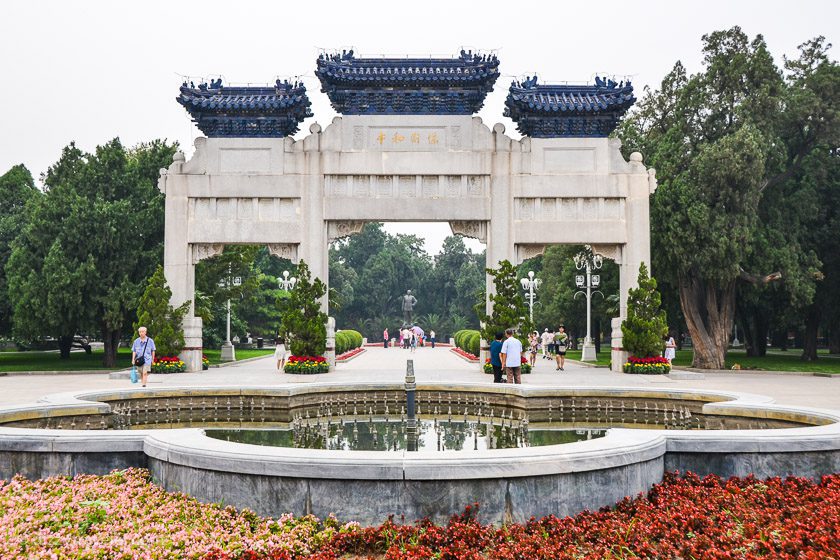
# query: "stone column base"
{"type": "Point", "coordinates": [618, 355]}
{"type": "Point", "coordinates": [228, 352]}
{"type": "Point", "coordinates": [192, 352]}
{"type": "Point", "coordinates": [588, 353]}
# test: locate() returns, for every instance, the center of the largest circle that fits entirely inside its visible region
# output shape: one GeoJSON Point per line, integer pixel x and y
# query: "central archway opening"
{"type": "Point", "coordinates": [371, 271]}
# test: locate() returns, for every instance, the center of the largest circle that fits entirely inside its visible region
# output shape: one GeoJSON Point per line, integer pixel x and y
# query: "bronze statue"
{"type": "Point", "coordinates": [408, 303]}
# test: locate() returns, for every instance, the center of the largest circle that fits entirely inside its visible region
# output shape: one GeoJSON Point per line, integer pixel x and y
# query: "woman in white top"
{"type": "Point", "coordinates": [670, 349]}
{"type": "Point", "coordinates": [280, 353]}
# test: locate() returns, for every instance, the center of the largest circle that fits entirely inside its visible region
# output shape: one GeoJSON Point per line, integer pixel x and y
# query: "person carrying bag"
{"type": "Point", "coordinates": [143, 354]}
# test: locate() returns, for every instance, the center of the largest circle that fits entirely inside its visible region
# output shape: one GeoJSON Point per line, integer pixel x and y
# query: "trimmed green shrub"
{"type": "Point", "coordinates": [468, 340]}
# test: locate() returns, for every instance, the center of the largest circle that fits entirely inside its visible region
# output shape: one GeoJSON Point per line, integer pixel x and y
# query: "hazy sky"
{"type": "Point", "coordinates": [89, 71]}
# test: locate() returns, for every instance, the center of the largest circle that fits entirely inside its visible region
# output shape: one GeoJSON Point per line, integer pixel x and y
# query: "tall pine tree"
{"type": "Point", "coordinates": [303, 319]}
{"type": "Point", "coordinates": [509, 309]}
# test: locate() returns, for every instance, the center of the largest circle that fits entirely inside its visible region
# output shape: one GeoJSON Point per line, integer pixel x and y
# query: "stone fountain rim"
{"type": "Point", "coordinates": [190, 447]}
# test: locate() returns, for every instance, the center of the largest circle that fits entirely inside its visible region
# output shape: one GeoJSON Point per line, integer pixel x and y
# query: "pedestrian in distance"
{"type": "Point", "coordinates": [280, 353]}
{"type": "Point", "coordinates": [496, 359]}
{"type": "Point", "coordinates": [432, 338]}
{"type": "Point", "coordinates": [385, 337]}
{"type": "Point", "coordinates": [533, 344]}
{"type": "Point", "coordinates": [412, 341]}
{"type": "Point", "coordinates": [561, 344]}
{"type": "Point", "coordinates": [143, 354]}
{"type": "Point", "coordinates": [547, 338]}
{"type": "Point", "coordinates": [670, 348]}
{"type": "Point", "coordinates": [511, 356]}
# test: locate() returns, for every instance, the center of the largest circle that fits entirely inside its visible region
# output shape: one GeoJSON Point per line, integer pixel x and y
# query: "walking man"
{"type": "Point", "coordinates": [385, 337]}
{"type": "Point", "coordinates": [143, 354]}
{"type": "Point", "coordinates": [432, 338]}
{"type": "Point", "coordinates": [511, 357]}
{"type": "Point", "coordinates": [496, 359]}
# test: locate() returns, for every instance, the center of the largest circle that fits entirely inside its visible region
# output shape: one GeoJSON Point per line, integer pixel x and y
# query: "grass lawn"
{"type": "Point", "coordinates": [215, 355]}
{"type": "Point", "coordinates": [79, 361]}
{"type": "Point", "coordinates": [50, 361]}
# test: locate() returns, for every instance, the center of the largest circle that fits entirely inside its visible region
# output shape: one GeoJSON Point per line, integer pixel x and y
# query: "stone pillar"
{"type": "Point", "coordinates": [178, 258]}
{"type": "Point", "coordinates": [642, 183]}
{"type": "Point", "coordinates": [314, 247]}
{"type": "Point", "coordinates": [330, 353]}
{"type": "Point", "coordinates": [500, 242]}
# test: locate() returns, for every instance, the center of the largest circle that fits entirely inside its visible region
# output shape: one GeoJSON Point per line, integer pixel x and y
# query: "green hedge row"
{"type": "Point", "coordinates": [468, 340]}
{"type": "Point", "coordinates": [346, 341]}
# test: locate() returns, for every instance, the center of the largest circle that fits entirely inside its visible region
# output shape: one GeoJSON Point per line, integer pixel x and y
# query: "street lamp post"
{"type": "Point", "coordinates": [287, 283]}
{"type": "Point", "coordinates": [588, 261]}
{"type": "Point", "coordinates": [228, 353]}
{"type": "Point", "coordinates": [530, 286]}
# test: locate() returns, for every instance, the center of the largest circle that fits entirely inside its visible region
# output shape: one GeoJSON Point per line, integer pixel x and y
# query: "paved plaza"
{"type": "Point", "coordinates": [440, 364]}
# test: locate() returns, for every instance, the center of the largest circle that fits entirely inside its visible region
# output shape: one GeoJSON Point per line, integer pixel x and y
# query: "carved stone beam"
{"type": "Point", "coordinates": [342, 229]}
{"type": "Point", "coordinates": [201, 251]}
{"type": "Point", "coordinates": [284, 251]}
{"type": "Point", "coordinates": [612, 252]}
{"type": "Point", "coordinates": [475, 229]}
{"type": "Point", "coordinates": [525, 252]}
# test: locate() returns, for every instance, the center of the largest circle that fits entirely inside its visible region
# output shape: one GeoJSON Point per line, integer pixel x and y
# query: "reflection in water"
{"type": "Point", "coordinates": [382, 435]}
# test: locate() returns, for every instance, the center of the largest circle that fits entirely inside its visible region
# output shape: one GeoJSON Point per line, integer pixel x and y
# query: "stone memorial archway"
{"type": "Point", "coordinates": [248, 182]}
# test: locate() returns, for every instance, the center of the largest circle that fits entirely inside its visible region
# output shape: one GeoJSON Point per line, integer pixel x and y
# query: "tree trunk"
{"type": "Point", "coordinates": [596, 328]}
{"type": "Point", "coordinates": [111, 338]}
{"type": "Point", "coordinates": [709, 310]}
{"type": "Point", "coordinates": [65, 343]}
{"type": "Point", "coordinates": [779, 339]}
{"type": "Point", "coordinates": [834, 341]}
{"type": "Point", "coordinates": [812, 327]}
{"type": "Point", "coordinates": [755, 334]}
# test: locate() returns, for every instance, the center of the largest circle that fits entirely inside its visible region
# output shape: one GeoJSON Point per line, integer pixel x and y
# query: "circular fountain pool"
{"type": "Point", "coordinates": [507, 447]}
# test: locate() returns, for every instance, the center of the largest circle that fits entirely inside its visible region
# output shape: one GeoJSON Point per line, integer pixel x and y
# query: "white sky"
{"type": "Point", "coordinates": [92, 70]}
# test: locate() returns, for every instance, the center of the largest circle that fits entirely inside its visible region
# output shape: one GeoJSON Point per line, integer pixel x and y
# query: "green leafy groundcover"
{"type": "Point", "coordinates": [124, 515]}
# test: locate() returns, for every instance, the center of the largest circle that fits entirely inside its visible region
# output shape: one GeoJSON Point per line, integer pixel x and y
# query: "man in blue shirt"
{"type": "Point", "coordinates": [143, 347]}
{"type": "Point", "coordinates": [511, 356]}
{"type": "Point", "coordinates": [496, 359]}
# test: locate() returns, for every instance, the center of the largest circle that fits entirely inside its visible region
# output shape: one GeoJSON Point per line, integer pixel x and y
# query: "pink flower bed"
{"type": "Point", "coordinates": [122, 515]}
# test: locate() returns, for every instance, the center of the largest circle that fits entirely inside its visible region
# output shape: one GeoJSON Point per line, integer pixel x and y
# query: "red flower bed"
{"type": "Point", "coordinates": [681, 518]}
{"type": "Point", "coordinates": [349, 354]}
{"type": "Point", "coordinates": [465, 354]}
{"type": "Point", "coordinates": [651, 366]}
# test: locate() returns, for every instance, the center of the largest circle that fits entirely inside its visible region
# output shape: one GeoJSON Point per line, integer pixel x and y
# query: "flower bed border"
{"type": "Point", "coordinates": [464, 355]}
{"type": "Point", "coordinates": [350, 355]}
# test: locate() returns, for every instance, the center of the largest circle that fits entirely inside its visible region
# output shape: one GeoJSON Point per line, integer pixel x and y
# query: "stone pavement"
{"type": "Point", "coordinates": [440, 364]}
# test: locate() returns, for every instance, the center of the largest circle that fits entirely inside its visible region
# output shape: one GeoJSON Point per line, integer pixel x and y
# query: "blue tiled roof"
{"type": "Point", "coordinates": [546, 111]}
{"type": "Point", "coordinates": [246, 111]}
{"type": "Point", "coordinates": [407, 85]}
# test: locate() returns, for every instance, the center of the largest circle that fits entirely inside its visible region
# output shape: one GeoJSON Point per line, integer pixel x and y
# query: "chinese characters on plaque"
{"type": "Point", "coordinates": [387, 138]}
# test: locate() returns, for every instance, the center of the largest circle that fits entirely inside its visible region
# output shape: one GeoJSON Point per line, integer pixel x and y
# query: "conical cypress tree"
{"type": "Point", "coordinates": [646, 324]}
{"type": "Point", "coordinates": [509, 309]}
{"type": "Point", "coordinates": [303, 319]}
{"type": "Point", "coordinates": [162, 321]}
